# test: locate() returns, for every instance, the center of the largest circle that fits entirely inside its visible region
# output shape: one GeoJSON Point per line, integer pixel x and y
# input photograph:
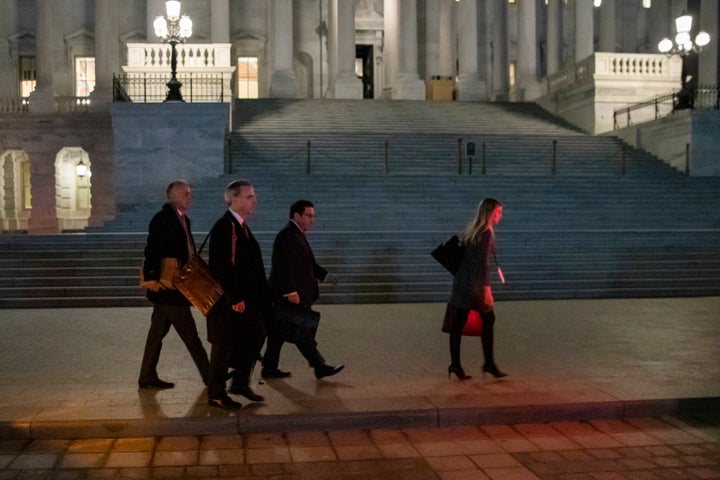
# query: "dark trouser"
{"type": "Point", "coordinates": [220, 356]}
{"type": "Point", "coordinates": [487, 335]}
{"type": "Point", "coordinates": [180, 317]}
{"type": "Point", "coordinates": [308, 349]}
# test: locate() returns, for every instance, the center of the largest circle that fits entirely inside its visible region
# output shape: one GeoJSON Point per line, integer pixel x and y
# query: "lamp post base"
{"type": "Point", "coordinates": [174, 94]}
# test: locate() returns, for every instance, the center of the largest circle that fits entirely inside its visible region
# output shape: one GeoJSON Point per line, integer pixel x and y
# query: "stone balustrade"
{"type": "Point", "coordinates": [151, 57]}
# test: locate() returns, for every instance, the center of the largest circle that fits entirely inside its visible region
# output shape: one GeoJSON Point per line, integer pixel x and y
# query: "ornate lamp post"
{"type": "Point", "coordinates": [173, 29]}
{"type": "Point", "coordinates": [684, 45]}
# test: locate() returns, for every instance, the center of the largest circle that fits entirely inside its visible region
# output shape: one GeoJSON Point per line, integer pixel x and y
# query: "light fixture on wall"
{"type": "Point", "coordinates": [173, 29]}
{"type": "Point", "coordinates": [647, 3]}
{"type": "Point", "coordinates": [81, 169]}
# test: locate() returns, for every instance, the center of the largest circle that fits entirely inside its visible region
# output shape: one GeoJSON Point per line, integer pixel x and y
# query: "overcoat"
{"type": "Point", "coordinates": [243, 280]}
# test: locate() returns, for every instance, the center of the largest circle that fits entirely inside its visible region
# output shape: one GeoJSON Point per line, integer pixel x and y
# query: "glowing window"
{"type": "Point", "coordinates": [247, 84]}
{"type": "Point", "coordinates": [84, 76]}
{"type": "Point", "coordinates": [26, 191]}
{"type": "Point", "coordinates": [27, 76]}
{"type": "Point", "coordinates": [511, 73]}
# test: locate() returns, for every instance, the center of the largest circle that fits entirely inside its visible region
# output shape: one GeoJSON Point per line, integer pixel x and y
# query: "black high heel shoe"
{"type": "Point", "coordinates": [458, 370]}
{"type": "Point", "coordinates": [493, 370]}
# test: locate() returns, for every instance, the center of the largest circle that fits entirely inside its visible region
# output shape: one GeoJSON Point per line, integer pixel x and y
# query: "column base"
{"type": "Point", "coordinates": [101, 99]}
{"type": "Point", "coordinates": [408, 87]}
{"type": "Point", "coordinates": [347, 86]}
{"type": "Point", "coordinates": [42, 100]}
{"type": "Point", "coordinates": [527, 91]}
{"type": "Point", "coordinates": [284, 84]}
{"type": "Point", "coordinates": [470, 89]}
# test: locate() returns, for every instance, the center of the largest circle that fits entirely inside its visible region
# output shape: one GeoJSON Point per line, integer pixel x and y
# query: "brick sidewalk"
{"type": "Point", "coordinates": [639, 448]}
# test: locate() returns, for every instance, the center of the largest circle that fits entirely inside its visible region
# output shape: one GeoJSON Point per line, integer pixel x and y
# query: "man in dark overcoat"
{"type": "Point", "coordinates": [294, 282]}
{"type": "Point", "coordinates": [236, 324]}
{"type": "Point", "coordinates": [169, 240]}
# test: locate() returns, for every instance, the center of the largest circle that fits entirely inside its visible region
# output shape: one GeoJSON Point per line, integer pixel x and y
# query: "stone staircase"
{"type": "Point", "coordinates": [595, 226]}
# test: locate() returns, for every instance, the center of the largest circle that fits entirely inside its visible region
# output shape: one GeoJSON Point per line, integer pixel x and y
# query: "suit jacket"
{"type": "Point", "coordinates": [294, 268]}
{"type": "Point", "coordinates": [243, 280]}
{"type": "Point", "coordinates": [166, 239]}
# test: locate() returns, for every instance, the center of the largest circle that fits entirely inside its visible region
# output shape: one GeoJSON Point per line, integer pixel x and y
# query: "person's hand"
{"type": "Point", "coordinates": [154, 285]}
{"type": "Point", "coordinates": [331, 279]}
{"type": "Point", "coordinates": [293, 298]}
{"type": "Point", "coordinates": [488, 300]}
{"type": "Point", "coordinates": [239, 307]}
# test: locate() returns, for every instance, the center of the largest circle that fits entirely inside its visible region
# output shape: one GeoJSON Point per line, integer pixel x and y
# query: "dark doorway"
{"type": "Point", "coordinates": [364, 55]}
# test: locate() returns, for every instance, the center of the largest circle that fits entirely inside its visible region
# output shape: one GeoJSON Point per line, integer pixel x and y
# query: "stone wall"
{"type": "Point", "coordinates": [157, 143]}
{"type": "Point", "coordinates": [41, 138]}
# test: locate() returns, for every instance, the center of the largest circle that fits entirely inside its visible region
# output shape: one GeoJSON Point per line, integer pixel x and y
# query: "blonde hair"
{"type": "Point", "coordinates": [481, 222]}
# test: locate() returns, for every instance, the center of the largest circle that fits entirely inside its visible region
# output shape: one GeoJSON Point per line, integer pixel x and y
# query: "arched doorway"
{"type": "Point", "coordinates": [15, 195]}
{"type": "Point", "coordinates": [72, 188]}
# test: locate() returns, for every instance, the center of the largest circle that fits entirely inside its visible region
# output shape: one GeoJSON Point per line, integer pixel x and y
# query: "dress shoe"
{"type": "Point", "coordinates": [323, 371]}
{"type": "Point", "coordinates": [493, 370]}
{"type": "Point", "coordinates": [247, 393]}
{"type": "Point", "coordinates": [224, 402]}
{"type": "Point", "coordinates": [458, 370]}
{"type": "Point", "coordinates": [156, 384]}
{"type": "Point", "coordinates": [274, 373]}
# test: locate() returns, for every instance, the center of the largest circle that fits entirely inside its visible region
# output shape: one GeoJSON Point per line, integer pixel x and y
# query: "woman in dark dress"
{"type": "Point", "coordinates": [471, 288]}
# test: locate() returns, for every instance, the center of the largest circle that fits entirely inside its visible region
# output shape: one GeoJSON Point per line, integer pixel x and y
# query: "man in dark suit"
{"type": "Point", "coordinates": [169, 243]}
{"type": "Point", "coordinates": [294, 280]}
{"type": "Point", "coordinates": [236, 324]}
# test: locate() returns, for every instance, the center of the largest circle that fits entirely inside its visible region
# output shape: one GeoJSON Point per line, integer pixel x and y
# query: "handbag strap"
{"type": "Point", "coordinates": [234, 238]}
{"type": "Point", "coordinates": [203, 243]}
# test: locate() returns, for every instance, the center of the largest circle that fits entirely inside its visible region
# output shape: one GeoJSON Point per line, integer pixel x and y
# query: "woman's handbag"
{"type": "Point", "coordinates": [449, 254]}
{"type": "Point", "coordinates": [296, 323]}
{"type": "Point", "coordinates": [473, 326]}
{"type": "Point", "coordinates": [196, 282]}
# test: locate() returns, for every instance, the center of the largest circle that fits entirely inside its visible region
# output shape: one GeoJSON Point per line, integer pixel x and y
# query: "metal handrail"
{"type": "Point", "coordinates": [702, 97]}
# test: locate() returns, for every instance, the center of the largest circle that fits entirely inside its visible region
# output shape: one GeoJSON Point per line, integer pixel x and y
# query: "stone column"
{"type": "Point", "coordinates": [153, 8]}
{"type": "Point", "coordinates": [709, 58]}
{"type": "Point", "coordinates": [445, 64]}
{"type": "Point", "coordinates": [220, 21]}
{"type": "Point", "coordinates": [107, 52]}
{"type": "Point", "coordinates": [500, 68]}
{"type": "Point", "coordinates": [469, 86]}
{"type": "Point", "coordinates": [391, 45]}
{"type": "Point", "coordinates": [528, 86]}
{"type": "Point", "coordinates": [283, 83]}
{"type": "Point", "coordinates": [406, 83]}
{"type": "Point", "coordinates": [439, 32]}
{"type": "Point", "coordinates": [554, 36]}
{"type": "Point", "coordinates": [583, 29]}
{"type": "Point", "coordinates": [607, 26]}
{"type": "Point", "coordinates": [43, 216]}
{"type": "Point", "coordinates": [42, 99]}
{"type": "Point", "coordinates": [343, 81]}
{"type": "Point", "coordinates": [660, 25]}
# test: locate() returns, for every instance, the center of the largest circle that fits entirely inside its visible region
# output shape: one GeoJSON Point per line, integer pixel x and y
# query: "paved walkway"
{"type": "Point", "coordinates": [609, 389]}
{"type": "Point", "coordinates": [72, 372]}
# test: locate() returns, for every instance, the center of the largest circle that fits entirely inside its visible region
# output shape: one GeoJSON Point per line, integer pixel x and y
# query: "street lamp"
{"type": "Point", "coordinates": [684, 45]}
{"type": "Point", "coordinates": [173, 29]}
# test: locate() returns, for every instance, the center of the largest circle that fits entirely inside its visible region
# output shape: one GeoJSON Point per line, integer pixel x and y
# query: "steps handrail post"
{"type": "Point", "coordinates": [307, 166]}
{"type": "Point", "coordinates": [460, 141]}
{"type": "Point", "coordinates": [554, 158]}
{"type": "Point", "coordinates": [484, 171]}
{"type": "Point", "coordinates": [623, 159]}
{"type": "Point", "coordinates": [387, 162]}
